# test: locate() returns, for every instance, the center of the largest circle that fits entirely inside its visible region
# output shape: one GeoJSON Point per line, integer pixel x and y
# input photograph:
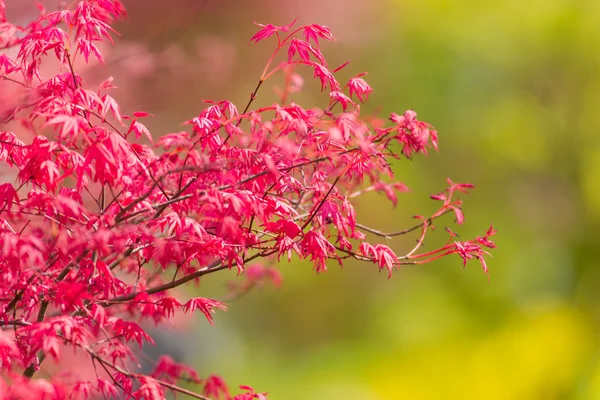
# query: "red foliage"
{"type": "Point", "coordinates": [96, 216]}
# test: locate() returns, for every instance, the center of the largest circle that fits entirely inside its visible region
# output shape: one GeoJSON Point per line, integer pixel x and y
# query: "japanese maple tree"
{"type": "Point", "coordinates": [100, 221]}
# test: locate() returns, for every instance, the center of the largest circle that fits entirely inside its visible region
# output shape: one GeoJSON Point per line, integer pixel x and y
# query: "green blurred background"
{"type": "Point", "coordinates": [514, 89]}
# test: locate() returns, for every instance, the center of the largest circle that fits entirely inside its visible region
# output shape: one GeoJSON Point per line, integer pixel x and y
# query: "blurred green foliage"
{"type": "Point", "coordinates": [514, 89]}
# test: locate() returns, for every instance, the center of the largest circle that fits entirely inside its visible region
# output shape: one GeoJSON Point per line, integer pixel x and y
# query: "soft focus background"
{"type": "Point", "coordinates": [514, 90]}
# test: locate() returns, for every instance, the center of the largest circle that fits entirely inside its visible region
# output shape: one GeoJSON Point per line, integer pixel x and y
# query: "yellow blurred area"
{"type": "Point", "coordinates": [513, 88]}
{"type": "Point", "coordinates": [528, 357]}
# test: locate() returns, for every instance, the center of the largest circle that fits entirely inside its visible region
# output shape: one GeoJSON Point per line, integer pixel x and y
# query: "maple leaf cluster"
{"type": "Point", "coordinates": [100, 224]}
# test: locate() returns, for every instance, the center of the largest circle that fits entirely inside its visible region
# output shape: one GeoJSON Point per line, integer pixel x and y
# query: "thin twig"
{"type": "Point", "coordinates": [402, 232]}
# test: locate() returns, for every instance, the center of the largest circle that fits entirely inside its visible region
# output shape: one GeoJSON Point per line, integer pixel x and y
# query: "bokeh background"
{"type": "Point", "coordinates": [513, 88]}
